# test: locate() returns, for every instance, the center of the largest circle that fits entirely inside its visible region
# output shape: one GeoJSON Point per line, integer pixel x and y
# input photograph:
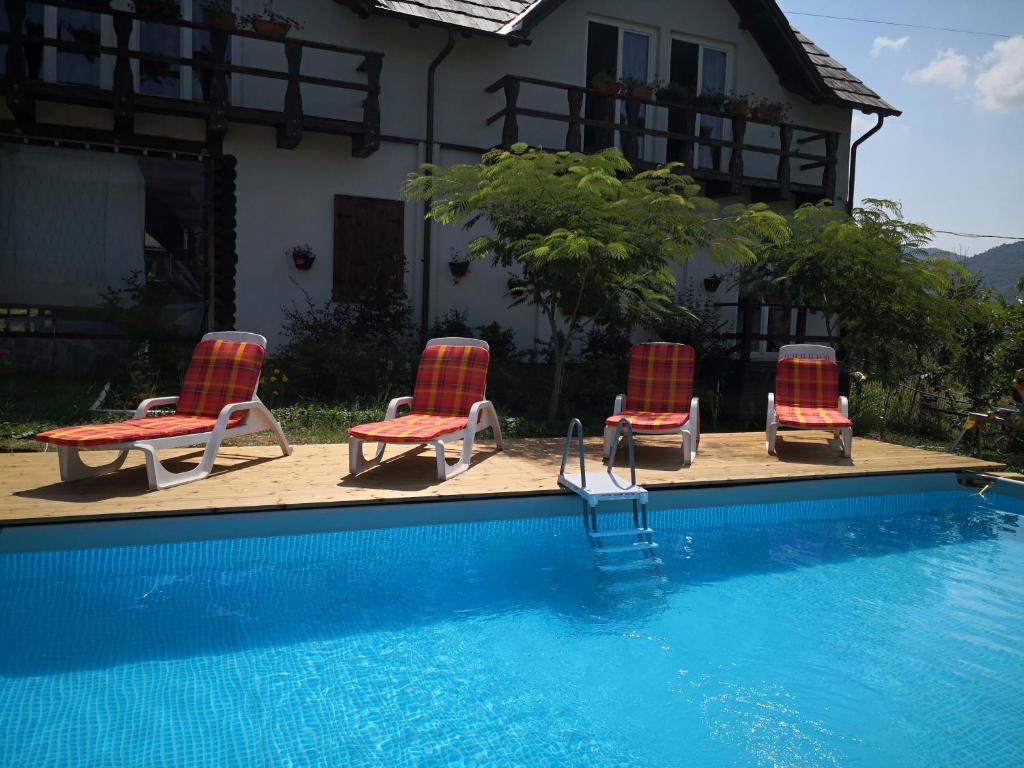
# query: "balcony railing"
{"type": "Point", "coordinates": [632, 120]}
{"type": "Point", "coordinates": [23, 88]}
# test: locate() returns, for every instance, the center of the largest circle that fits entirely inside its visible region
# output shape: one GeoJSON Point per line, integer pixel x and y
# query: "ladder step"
{"type": "Point", "coordinates": [620, 532]}
{"type": "Point", "coordinates": [634, 565]}
{"type": "Point", "coordinates": [635, 546]}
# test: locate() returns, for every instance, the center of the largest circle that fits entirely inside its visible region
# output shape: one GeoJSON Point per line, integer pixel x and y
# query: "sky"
{"type": "Point", "coordinates": [955, 158]}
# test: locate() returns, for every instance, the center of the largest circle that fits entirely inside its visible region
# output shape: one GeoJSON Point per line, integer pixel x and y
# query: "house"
{"type": "Point", "coordinates": [167, 138]}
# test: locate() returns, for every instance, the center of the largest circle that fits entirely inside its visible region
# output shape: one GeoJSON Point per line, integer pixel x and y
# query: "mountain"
{"type": "Point", "coordinates": [1001, 267]}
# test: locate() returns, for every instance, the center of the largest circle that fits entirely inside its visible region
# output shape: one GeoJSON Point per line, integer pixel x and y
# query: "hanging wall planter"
{"type": "Point", "coordinates": [302, 257]}
{"type": "Point", "coordinates": [459, 268]}
{"type": "Point", "coordinates": [711, 283]}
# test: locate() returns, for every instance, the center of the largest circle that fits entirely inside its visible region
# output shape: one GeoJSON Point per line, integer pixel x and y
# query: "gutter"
{"type": "Point", "coordinates": [429, 158]}
{"type": "Point", "coordinates": [853, 161]}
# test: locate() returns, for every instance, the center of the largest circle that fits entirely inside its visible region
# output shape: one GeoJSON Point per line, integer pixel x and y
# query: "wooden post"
{"type": "Point", "coordinates": [828, 175]}
{"type": "Point", "coordinates": [611, 105]}
{"type": "Point", "coordinates": [369, 142]}
{"type": "Point", "coordinates": [690, 128]}
{"type": "Point", "coordinates": [217, 119]}
{"type": "Point", "coordinates": [289, 133]}
{"type": "Point", "coordinates": [510, 130]}
{"type": "Point", "coordinates": [630, 135]}
{"type": "Point", "coordinates": [783, 174]}
{"type": "Point", "coordinates": [573, 140]}
{"type": "Point", "coordinates": [739, 130]}
{"type": "Point", "coordinates": [18, 101]}
{"type": "Point", "coordinates": [124, 83]}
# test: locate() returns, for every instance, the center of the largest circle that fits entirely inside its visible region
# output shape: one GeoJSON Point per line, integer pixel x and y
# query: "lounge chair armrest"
{"type": "Point", "coordinates": [225, 413]}
{"type": "Point", "coordinates": [394, 405]}
{"type": "Point", "coordinates": [695, 414]}
{"type": "Point", "coordinates": [153, 402]}
{"type": "Point", "coordinates": [844, 406]}
{"type": "Point", "coordinates": [771, 407]}
{"type": "Point", "coordinates": [620, 401]}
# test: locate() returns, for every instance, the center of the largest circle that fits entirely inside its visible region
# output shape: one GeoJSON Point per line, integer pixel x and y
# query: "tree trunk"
{"type": "Point", "coordinates": [556, 383]}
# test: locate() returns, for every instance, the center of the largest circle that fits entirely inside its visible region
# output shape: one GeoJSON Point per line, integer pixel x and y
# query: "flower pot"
{"type": "Point", "coordinates": [737, 108]}
{"type": "Point", "coordinates": [218, 19]}
{"type": "Point", "coordinates": [711, 283]}
{"type": "Point", "coordinates": [303, 259]}
{"type": "Point", "coordinates": [770, 114]}
{"type": "Point", "coordinates": [459, 269]}
{"type": "Point", "coordinates": [277, 30]}
{"type": "Point", "coordinates": [640, 91]}
{"type": "Point", "coordinates": [605, 86]}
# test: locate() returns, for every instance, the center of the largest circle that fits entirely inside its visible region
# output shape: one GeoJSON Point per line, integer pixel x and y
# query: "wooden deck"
{"type": "Point", "coordinates": [258, 478]}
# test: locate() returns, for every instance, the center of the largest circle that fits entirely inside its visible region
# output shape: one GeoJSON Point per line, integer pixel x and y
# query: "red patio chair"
{"type": "Point", "coordinates": [659, 396]}
{"type": "Point", "coordinates": [218, 400]}
{"type": "Point", "coordinates": [807, 395]}
{"type": "Point", "coordinates": [448, 404]}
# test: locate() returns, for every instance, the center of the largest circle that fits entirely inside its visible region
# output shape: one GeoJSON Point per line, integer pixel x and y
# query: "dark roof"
{"type": "Point", "coordinates": [802, 66]}
{"type": "Point", "coordinates": [845, 87]}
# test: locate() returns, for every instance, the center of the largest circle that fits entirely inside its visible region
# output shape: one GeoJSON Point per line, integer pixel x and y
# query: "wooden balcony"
{"type": "Point", "coordinates": [629, 123]}
{"type": "Point", "coordinates": [23, 88]}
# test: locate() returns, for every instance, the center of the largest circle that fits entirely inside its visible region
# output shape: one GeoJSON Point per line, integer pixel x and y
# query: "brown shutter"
{"type": "Point", "coordinates": [369, 248]}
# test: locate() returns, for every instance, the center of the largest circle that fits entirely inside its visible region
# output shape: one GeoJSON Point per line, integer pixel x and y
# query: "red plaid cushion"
{"type": "Point", "coordinates": [660, 378]}
{"type": "Point", "coordinates": [94, 435]}
{"type": "Point", "coordinates": [221, 373]}
{"type": "Point", "coordinates": [450, 378]}
{"type": "Point", "coordinates": [649, 420]}
{"type": "Point", "coordinates": [813, 418]}
{"type": "Point", "coordinates": [414, 428]}
{"type": "Point", "coordinates": [807, 383]}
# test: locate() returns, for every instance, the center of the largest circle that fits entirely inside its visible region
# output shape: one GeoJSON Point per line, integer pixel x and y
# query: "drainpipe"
{"type": "Point", "coordinates": [429, 157]}
{"type": "Point", "coordinates": [853, 161]}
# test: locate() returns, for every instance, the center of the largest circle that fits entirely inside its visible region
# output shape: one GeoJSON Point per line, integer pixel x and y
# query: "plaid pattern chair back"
{"type": "Point", "coordinates": [660, 378]}
{"type": "Point", "coordinates": [450, 378]}
{"type": "Point", "coordinates": [807, 383]}
{"type": "Point", "coordinates": [221, 372]}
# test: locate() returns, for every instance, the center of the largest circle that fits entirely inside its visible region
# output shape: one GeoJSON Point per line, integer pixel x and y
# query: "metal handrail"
{"type": "Point", "coordinates": [623, 422]}
{"type": "Point", "coordinates": [568, 443]}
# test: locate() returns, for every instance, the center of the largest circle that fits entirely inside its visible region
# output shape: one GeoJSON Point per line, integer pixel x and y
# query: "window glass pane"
{"type": "Point", "coordinates": [712, 81]}
{"type": "Point", "coordinates": [635, 50]}
{"type": "Point", "coordinates": [81, 28]}
{"type": "Point", "coordinates": [33, 51]}
{"type": "Point", "coordinates": [160, 78]}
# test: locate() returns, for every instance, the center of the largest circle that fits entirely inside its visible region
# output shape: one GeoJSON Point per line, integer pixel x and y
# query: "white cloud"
{"type": "Point", "coordinates": [888, 43]}
{"type": "Point", "coordinates": [949, 68]}
{"type": "Point", "coordinates": [1000, 85]}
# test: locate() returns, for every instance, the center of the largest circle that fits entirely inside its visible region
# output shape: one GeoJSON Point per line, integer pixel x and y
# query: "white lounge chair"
{"type": "Point", "coordinates": [448, 404]}
{"type": "Point", "coordinates": [807, 395]}
{"type": "Point", "coordinates": [217, 401]}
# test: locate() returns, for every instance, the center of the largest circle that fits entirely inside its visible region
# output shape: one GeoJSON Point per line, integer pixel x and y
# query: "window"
{"type": "Point", "coordinates": [699, 68]}
{"type": "Point", "coordinates": [369, 249]}
{"type": "Point", "coordinates": [622, 54]}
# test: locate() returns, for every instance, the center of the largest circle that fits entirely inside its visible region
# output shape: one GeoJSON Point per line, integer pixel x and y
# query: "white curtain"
{"type": "Point", "coordinates": [72, 223]}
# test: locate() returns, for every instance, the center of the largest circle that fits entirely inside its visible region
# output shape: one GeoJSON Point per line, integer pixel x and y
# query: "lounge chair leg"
{"type": "Point", "coordinates": [492, 420]}
{"type": "Point", "coordinates": [73, 468]}
{"type": "Point", "coordinates": [847, 443]}
{"type": "Point", "coordinates": [160, 477]}
{"type": "Point", "coordinates": [609, 433]}
{"type": "Point", "coordinates": [356, 461]}
{"type": "Point", "coordinates": [770, 438]}
{"type": "Point", "coordinates": [274, 426]}
{"type": "Point", "coordinates": [687, 453]}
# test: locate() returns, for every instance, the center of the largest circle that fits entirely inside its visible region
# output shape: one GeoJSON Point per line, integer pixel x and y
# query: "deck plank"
{"type": "Point", "coordinates": [258, 478]}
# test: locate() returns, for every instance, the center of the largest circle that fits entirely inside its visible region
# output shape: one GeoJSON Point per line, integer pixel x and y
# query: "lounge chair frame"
{"type": "Point", "coordinates": [808, 352]}
{"type": "Point", "coordinates": [482, 415]}
{"type": "Point", "coordinates": [259, 419]}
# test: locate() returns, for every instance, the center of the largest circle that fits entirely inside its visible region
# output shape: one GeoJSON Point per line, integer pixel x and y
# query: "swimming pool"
{"type": "Point", "coordinates": [842, 630]}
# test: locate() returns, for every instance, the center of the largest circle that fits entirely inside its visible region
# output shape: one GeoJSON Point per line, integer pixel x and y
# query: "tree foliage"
{"type": "Point", "coordinates": [593, 244]}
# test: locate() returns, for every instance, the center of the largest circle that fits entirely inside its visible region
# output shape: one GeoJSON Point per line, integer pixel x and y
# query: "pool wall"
{"type": "Point", "coordinates": [287, 522]}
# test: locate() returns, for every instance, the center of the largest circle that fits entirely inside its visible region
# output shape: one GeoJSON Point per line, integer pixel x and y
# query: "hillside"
{"type": "Point", "coordinates": [1001, 267]}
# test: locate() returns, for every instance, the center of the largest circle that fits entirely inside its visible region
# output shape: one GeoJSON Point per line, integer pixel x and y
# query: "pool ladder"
{"type": "Point", "coordinates": [607, 486]}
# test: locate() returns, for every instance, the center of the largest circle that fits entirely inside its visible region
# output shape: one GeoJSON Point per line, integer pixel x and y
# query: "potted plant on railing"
{"type": "Point", "coordinates": [302, 256]}
{"type": "Point", "coordinates": [737, 105]}
{"type": "Point", "coordinates": [218, 13]}
{"type": "Point", "coordinates": [637, 89]}
{"type": "Point", "coordinates": [270, 23]}
{"type": "Point", "coordinates": [769, 111]}
{"type": "Point", "coordinates": [606, 83]}
{"type": "Point", "coordinates": [710, 101]}
{"type": "Point", "coordinates": [673, 93]}
{"type": "Point", "coordinates": [158, 10]}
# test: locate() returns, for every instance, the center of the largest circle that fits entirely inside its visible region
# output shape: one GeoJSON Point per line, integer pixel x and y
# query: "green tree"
{"type": "Point", "coordinates": [593, 243]}
{"type": "Point", "coordinates": [870, 275]}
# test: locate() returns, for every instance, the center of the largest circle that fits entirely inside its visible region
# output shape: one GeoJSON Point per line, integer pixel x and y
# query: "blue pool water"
{"type": "Point", "coordinates": [874, 631]}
